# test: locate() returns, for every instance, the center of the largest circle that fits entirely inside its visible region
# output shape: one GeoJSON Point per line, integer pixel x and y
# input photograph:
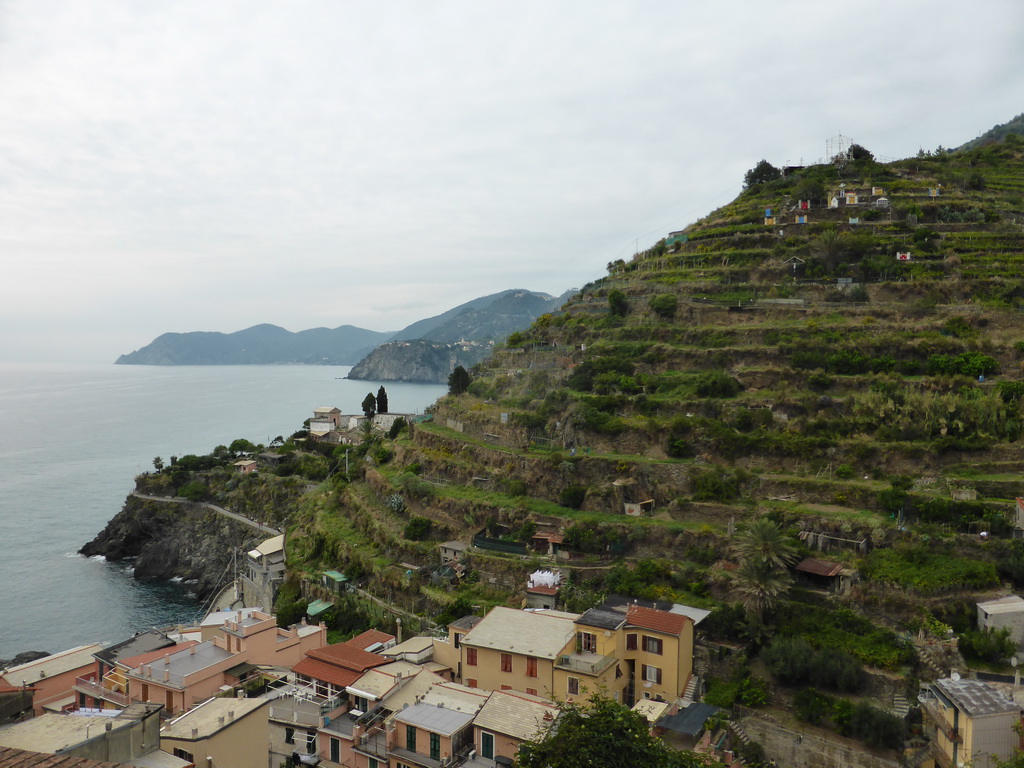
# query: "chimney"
{"type": "Point", "coordinates": [398, 631]}
{"type": "Point", "coordinates": [231, 715]}
{"type": "Point", "coordinates": [192, 650]}
{"type": "Point", "coordinates": [167, 675]}
{"type": "Point", "coordinates": [220, 720]}
{"type": "Point", "coordinates": [195, 733]}
{"type": "Point", "coordinates": [108, 726]}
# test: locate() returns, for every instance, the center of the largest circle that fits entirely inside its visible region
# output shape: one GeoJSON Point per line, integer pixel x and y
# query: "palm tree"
{"type": "Point", "coordinates": [764, 541]}
{"type": "Point", "coordinates": [760, 585]}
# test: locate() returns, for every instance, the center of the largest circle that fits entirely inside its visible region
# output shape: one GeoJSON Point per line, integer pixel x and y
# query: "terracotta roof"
{"type": "Point", "coordinates": [658, 621]}
{"type": "Point", "coordinates": [133, 662]}
{"type": "Point", "coordinates": [368, 638]}
{"type": "Point", "coordinates": [542, 590]}
{"type": "Point", "coordinates": [329, 673]}
{"type": "Point", "coordinates": [819, 567]}
{"type": "Point", "coordinates": [348, 656]}
{"type": "Point", "coordinates": [22, 758]}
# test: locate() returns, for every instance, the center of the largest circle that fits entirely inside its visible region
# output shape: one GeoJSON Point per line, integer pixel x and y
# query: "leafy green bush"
{"type": "Point", "coordinates": [794, 661]}
{"type": "Point", "coordinates": [715, 485]}
{"type": "Point", "coordinates": [618, 306]}
{"type": "Point", "coordinates": [418, 528]}
{"type": "Point", "coordinates": [927, 572]}
{"type": "Point", "coordinates": [971, 364]}
{"type": "Point", "coordinates": [988, 644]}
{"type": "Point", "coordinates": [716, 383]}
{"type": "Point", "coordinates": [665, 304]}
{"type": "Point", "coordinates": [572, 496]}
{"type": "Point", "coordinates": [194, 491]}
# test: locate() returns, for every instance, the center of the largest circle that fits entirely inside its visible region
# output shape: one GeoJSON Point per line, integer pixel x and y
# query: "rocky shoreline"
{"type": "Point", "coordinates": [171, 540]}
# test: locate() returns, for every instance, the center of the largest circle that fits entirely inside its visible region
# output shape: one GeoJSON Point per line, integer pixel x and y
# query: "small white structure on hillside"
{"type": "Point", "coordinates": [1004, 612]}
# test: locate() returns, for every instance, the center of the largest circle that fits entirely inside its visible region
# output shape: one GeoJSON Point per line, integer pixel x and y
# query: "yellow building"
{"type": "Point", "coordinates": [220, 733]}
{"type": "Point", "coordinates": [974, 723]}
{"type": "Point", "coordinates": [627, 651]}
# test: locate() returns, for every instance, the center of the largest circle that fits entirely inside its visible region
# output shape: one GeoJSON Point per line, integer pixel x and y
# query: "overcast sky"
{"type": "Point", "coordinates": [210, 165]}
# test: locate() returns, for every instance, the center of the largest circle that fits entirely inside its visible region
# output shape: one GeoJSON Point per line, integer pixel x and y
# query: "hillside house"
{"type": "Point", "coordinates": [506, 720]}
{"type": "Point", "coordinates": [264, 572]}
{"type": "Point", "coordinates": [226, 733]}
{"type": "Point", "coordinates": [1004, 612]}
{"type": "Point", "coordinates": [971, 723]}
{"type": "Point", "coordinates": [53, 677]}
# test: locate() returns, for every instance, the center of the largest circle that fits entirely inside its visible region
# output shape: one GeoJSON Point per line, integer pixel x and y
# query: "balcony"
{"type": "Point", "coordinates": [590, 664]}
{"type": "Point", "coordinates": [97, 691]}
{"type": "Point", "coordinates": [373, 745]}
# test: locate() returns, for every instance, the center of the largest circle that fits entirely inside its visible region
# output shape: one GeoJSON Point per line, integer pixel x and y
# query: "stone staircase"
{"type": "Point", "coordinates": [692, 691]}
{"type": "Point", "coordinates": [900, 706]}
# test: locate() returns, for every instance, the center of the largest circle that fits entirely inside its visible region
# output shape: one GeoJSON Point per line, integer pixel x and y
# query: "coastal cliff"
{"type": "Point", "coordinates": [190, 541]}
{"type": "Point", "coordinates": [417, 361]}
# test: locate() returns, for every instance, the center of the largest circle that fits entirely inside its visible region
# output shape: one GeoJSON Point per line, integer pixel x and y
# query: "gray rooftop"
{"type": "Point", "coordinates": [182, 664]}
{"type": "Point", "coordinates": [434, 718]}
{"type": "Point", "coordinates": [144, 642]}
{"type": "Point", "coordinates": [975, 697]}
{"type": "Point", "coordinates": [604, 619]}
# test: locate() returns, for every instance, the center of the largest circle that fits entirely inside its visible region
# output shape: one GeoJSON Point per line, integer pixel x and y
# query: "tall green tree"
{"type": "Point", "coordinates": [763, 577]}
{"type": "Point", "coordinates": [369, 405]}
{"type": "Point", "coordinates": [382, 400]}
{"type": "Point", "coordinates": [602, 734]}
{"type": "Point", "coordinates": [761, 173]}
{"type": "Point", "coordinates": [459, 381]}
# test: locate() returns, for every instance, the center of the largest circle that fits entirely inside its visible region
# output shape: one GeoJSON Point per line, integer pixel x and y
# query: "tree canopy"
{"type": "Point", "coordinates": [369, 405]}
{"type": "Point", "coordinates": [602, 734]}
{"type": "Point", "coordinates": [382, 400]}
{"type": "Point", "coordinates": [458, 381]}
{"type": "Point", "coordinates": [761, 173]}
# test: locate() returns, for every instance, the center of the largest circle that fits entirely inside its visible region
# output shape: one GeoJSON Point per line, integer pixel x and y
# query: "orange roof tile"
{"type": "Point", "coordinates": [347, 656]}
{"type": "Point", "coordinates": [368, 638]}
{"type": "Point", "coordinates": [329, 673]}
{"type": "Point", "coordinates": [657, 621]}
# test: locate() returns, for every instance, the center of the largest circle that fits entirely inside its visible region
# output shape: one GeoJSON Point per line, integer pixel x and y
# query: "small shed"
{"type": "Point", "coordinates": [820, 574]}
{"type": "Point", "coordinates": [683, 728]}
{"type": "Point", "coordinates": [335, 581]}
{"type": "Point", "coordinates": [317, 607]}
{"type": "Point", "coordinates": [246, 466]}
{"type": "Point", "coordinates": [452, 550]}
{"type": "Point", "coordinates": [1004, 612]}
{"type": "Point", "coordinates": [639, 508]}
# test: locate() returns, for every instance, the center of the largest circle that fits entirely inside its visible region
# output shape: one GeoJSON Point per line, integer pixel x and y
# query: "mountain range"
{"type": "Point", "coordinates": [483, 319]}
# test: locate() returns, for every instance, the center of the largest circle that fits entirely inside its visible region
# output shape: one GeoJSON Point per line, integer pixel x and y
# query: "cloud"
{"type": "Point", "coordinates": [193, 165]}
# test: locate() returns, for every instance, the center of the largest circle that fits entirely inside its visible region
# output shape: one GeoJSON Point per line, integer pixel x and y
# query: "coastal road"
{"type": "Point", "coordinates": [220, 510]}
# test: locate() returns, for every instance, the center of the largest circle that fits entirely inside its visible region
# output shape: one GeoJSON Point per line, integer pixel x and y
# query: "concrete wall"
{"type": "Point", "coordinates": [795, 749]}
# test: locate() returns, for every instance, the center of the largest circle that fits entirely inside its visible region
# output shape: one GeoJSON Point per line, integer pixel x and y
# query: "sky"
{"type": "Point", "coordinates": [207, 165]}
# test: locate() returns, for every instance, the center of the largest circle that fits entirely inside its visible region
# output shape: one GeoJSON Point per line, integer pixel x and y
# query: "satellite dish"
{"type": "Point", "coordinates": [955, 676]}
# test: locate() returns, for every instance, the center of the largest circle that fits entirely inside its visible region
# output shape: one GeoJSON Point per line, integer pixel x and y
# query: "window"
{"type": "Point", "coordinates": [652, 644]}
{"type": "Point", "coordinates": [532, 691]}
{"type": "Point", "coordinates": [531, 666]}
{"type": "Point", "coordinates": [410, 738]}
{"type": "Point", "coordinates": [335, 751]}
{"type": "Point", "coordinates": [183, 755]}
{"type": "Point", "coordinates": [573, 687]}
{"type": "Point", "coordinates": [586, 642]}
{"type": "Point", "coordinates": [631, 642]}
{"type": "Point", "coordinates": [374, 763]}
{"type": "Point", "coordinates": [506, 687]}
{"type": "Point", "coordinates": [311, 742]}
{"type": "Point", "coordinates": [458, 640]}
{"type": "Point", "coordinates": [506, 662]}
{"type": "Point", "coordinates": [651, 674]}
{"type": "Point", "coordinates": [435, 746]}
{"type": "Point", "coordinates": [486, 745]}
{"type": "Point", "coordinates": [471, 657]}
{"type": "Point", "coordinates": [289, 735]}
{"type": "Point", "coordinates": [471, 682]}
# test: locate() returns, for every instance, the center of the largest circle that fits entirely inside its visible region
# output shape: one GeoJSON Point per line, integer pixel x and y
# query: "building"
{"type": "Point", "coordinates": [106, 687]}
{"type": "Point", "coordinates": [1005, 612]}
{"type": "Point", "coordinates": [972, 722]}
{"type": "Point", "coordinates": [506, 720]}
{"type": "Point", "coordinates": [264, 572]}
{"type": "Point", "coordinates": [53, 677]}
{"type": "Point", "coordinates": [332, 668]}
{"type": "Point", "coordinates": [225, 733]}
{"type": "Point", "coordinates": [119, 736]}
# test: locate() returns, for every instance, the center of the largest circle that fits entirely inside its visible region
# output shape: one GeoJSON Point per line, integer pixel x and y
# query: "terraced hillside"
{"type": "Point", "coordinates": [753, 366]}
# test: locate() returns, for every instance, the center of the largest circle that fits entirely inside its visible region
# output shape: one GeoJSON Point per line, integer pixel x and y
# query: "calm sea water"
{"type": "Point", "coordinates": [73, 437]}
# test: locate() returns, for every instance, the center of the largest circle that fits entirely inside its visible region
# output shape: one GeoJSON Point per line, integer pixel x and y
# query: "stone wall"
{"type": "Point", "coordinates": [813, 748]}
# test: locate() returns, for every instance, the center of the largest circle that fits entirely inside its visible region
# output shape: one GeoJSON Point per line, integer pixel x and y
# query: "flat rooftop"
{"type": "Point", "coordinates": [206, 718]}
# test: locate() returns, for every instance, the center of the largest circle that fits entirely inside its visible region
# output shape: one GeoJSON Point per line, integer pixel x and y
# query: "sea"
{"type": "Point", "coordinates": [72, 439]}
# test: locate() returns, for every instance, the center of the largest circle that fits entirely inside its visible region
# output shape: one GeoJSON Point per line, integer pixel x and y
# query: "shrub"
{"type": "Point", "coordinates": [715, 485]}
{"type": "Point", "coordinates": [617, 303]}
{"type": "Point", "coordinates": [991, 645]}
{"type": "Point", "coordinates": [844, 471]}
{"type": "Point", "coordinates": [572, 496]}
{"type": "Point", "coordinates": [193, 491]}
{"type": "Point", "coordinates": [716, 383]}
{"type": "Point", "coordinates": [665, 304]}
{"type": "Point", "coordinates": [418, 528]}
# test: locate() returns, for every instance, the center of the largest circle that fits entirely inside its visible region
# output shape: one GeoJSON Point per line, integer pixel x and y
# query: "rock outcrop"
{"type": "Point", "coordinates": [189, 541]}
{"type": "Point", "coordinates": [417, 361]}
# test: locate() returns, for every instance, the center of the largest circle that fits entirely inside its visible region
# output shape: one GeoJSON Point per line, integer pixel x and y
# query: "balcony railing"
{"type": "Point", "coordinates": [295, 716]}
{"type": "Point", "coordinates": [97, 691]}
{"type": "Point", "coordinates": [585, 663]}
